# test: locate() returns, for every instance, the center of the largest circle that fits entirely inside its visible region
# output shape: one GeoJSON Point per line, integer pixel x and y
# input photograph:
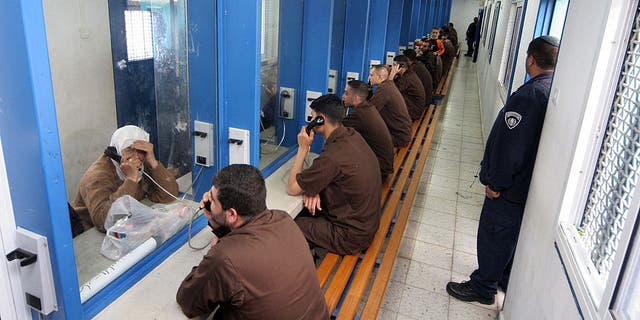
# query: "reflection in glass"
{"type": "Point", "coordinates": [272, 131]}
{"type": "Point", "coordinates": [148, 47]}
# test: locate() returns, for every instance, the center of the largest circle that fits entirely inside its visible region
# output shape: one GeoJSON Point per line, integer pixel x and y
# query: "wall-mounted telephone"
{"type": "Point", "coordinates": [287, 102]}
{"type": "Point", "coordinates": [112, 153]}
{"type": "Point", "coordinates": [317, 121]}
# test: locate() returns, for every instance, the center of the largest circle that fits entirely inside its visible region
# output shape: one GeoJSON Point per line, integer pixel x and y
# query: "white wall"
{"type": "Point", "coordinates": [537, 266]}
{"type": "Point", "coordinates": [539, 288]}
{"type": "Point", "coordinates": [462, 14]}
{"type": "Point", "coordinates": [79, 43]}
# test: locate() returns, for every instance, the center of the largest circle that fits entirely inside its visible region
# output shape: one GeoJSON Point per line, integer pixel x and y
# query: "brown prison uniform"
{"type": "Point", "coordinates": [262, 270]}
{"type": "Point", "coordinates": [368, 122]}
{"type": "Point", "coordinates": [393, 110]}
{"type": "Point", "coordinates": [100, 186]}
{"type": "Point", "coordinates": [347, 177]}
{"type": "Point", "coordinates": [411, 88]}
{"type": "Point", "coordinates": [427, 83]}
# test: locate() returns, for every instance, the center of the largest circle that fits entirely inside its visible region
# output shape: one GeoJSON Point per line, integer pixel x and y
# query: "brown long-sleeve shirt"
{"type": "Point", "coordinates": [347, 177]}
{"type": "Point", "coordinates": [425, 77]}
{"type": "Point", "coordinates": [413, 92]}
{"type": "Point", "coordinates": [262, 270]}
{"type": "Point", "coordinates": [368, 122]}
{"type": "Point", "coordinates": [390, 104]}
{"type": "Point", "coordinates": [100, 186]}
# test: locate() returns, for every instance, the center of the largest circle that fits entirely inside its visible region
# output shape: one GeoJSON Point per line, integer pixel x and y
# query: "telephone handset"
{"type": "Point", "coordinates": [112, 153]}
{"type": "Point", "coordinates": [219, 231]}
{"type": "Point", "coordinates": [317, 121]}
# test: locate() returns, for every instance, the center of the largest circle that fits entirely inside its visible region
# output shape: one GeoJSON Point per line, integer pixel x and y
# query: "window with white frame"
{"type": "Point", "coordinates": [494, 25]}
{"type": "Point", "coordinates": [139, 34]}
{"type": "Point", "coordinates": [600, 244]}
{"type": "Point", "coordinates": [270, 27]}
{"type": "Point", "coordinates": [557, 18]}
{"type": "Point", "coordinates": [510, 50]}
{"type": "Point", "coordinates": [485, 24]}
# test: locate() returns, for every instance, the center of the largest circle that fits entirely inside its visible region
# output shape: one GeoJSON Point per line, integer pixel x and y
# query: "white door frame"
{"type": "Point", "coordinates": [10, 285]}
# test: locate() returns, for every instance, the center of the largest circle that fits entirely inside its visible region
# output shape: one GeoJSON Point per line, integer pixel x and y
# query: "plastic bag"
{"type": "Point", "coordinates": [129, 223]}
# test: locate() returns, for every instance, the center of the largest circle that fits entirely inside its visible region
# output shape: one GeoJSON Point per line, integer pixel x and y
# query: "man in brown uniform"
{"type": "Point", "coordinates": [409, 85]}
{"type": "Point", "coordinates": [391, 106]}
{"type": "Point", "coordinates": [342, 186]}
{"type": "Point", "coordinates": [423, 74]}
{"type": "Point", "coordinates": [368, 122]}
{"type": "Point", "coordinates": [108, 179]}
{"type": "Point", "coordinates": [262, 268]}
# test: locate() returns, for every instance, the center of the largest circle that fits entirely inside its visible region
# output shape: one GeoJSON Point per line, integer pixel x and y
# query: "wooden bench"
{"type": "Point", "coordinates": [443, 85]}
{"type": "Point", "coordinates": [347, 277]}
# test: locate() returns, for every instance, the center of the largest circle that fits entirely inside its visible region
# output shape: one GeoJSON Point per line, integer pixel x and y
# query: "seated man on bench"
{"type": "Point", "coordinates": [342, 186]}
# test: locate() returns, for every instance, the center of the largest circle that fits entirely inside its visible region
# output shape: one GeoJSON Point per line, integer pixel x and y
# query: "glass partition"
{"type": "Point", "coordinates": [116, 63]}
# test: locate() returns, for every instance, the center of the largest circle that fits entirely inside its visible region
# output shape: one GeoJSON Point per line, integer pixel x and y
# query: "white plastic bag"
{"type": "Point", "coordinates": [129, 223]}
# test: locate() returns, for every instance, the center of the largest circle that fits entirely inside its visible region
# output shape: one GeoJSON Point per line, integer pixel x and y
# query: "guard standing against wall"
{"type": "Point", "coordinates": [507, 167]}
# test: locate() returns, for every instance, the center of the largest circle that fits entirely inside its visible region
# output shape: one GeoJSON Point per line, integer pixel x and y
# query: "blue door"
{"type": "Point", "coordinates": [29, 133]}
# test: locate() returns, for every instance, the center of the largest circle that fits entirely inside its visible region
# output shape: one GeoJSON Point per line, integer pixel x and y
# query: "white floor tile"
{"type": "Point", "coordinates": [464, 263]}
{"type": "Point", "coordinates": [432, 254]}
{"type": "Point", "coordinates": [435, 235]}
{"type": "Point", "coordinates": [465, 243]}
{"type": "Point", "coordinates": [459, 310]}
{"type": "Point", "coordinates": [422, 304]}
{"type": "Point", "coordinates": [424, 276]}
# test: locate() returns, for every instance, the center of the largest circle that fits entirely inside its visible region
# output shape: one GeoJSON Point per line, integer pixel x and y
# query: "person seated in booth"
{"type": "Point", "coordinates": [391, 106]}
{"type": "Point", "coordinates": [432, 62]}
{"type": "Point", "coordinates": [423, 74]}
{"type": "Point", "coordinates": [110, 178]}
{"type": "Point", "coordinates": [262, 268]}
{"type": "Point", "coordinates": [409, 85]}
{"type": "Point", "coordinates": [368, 122]}
{"type": "Point", "coordinates": [341, 188]}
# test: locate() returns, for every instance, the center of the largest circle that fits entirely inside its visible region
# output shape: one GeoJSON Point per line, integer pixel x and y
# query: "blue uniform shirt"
{"type": "Point", "coordinates": [510, 153]}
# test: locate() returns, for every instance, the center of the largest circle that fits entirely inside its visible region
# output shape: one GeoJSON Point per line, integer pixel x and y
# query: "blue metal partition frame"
{"type": "Point", "coordinates": [394, 24]}
{"type": "Point", "coordinates": [405, 28]}
{"type": "Point", "coordinates": [316, 47]}
{"type": "Point", "coordinates": [355, 38]}
{"type": "Point", "coordinates": [422, 18]}
{"type": "Point", "coordinates": [289, 71]}
{"type": "Point", "coordinates": [337, 42]}
{"type": "Point", "coordinates": [239, 73]}
{"type": "Point", "coordinates": [202, 39]}
{"type": "Point", "coordinates": [378, 23]}
{"type": "Point", "coordinates": [29, 133]}
{"type": "Point", "coordinates": [415, 20]}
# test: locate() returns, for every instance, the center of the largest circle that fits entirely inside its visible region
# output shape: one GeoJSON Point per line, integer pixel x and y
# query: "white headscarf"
{"type": "Point", "coordinates": [124, 138]}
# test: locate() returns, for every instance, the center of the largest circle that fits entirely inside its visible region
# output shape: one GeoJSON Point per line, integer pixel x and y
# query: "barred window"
{"type": "Point", "coordinates": [139, 36]}
{"type": "Point", "coordinates": [618, 166]}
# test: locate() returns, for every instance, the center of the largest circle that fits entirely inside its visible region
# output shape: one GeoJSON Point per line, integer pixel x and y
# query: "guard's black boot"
{"type": "Point", "coordinates": [463, 291]}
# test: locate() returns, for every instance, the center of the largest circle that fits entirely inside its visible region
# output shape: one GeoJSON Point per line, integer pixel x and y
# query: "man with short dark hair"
{"type": "Point", "coordinates": [391, 106]}
{"type": "Point", "coordinates": [341, 189]}
{"type": "Point", "coordinates": [409, 85]}
{"type": "Point", "coordinates": [262, 268]}
{"type": "Point", "coordinates": [507, 167]}
{"type": "Point", "coordinates": [423, 74]}
{"type": "Point", "coordinates": [368, 122]}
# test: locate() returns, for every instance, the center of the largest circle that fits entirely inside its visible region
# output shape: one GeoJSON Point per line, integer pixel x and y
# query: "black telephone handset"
{"type": "Point", "coordinates": [317, 121]}
{"type": "Point", "coordinates": [219, 231]}
{"type": "Point", "coordinates": [112, 153]}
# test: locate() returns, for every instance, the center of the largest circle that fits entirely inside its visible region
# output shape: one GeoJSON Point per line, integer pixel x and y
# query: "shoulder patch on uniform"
{"type": "Point", "coordinates": [512, 119]}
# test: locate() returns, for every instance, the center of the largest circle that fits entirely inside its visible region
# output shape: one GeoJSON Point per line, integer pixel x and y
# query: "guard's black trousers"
{"type": "Point", "coordinates": [469, 48]}
{"type": "Point", "coordinates": [497, 236]}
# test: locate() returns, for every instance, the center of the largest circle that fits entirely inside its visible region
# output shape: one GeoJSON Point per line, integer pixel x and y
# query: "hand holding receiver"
{"type": "Point", "coordinates": [305, 139]}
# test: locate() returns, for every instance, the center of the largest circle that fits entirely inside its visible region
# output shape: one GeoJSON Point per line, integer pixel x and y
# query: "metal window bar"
{"type": "Point", "coordinates": [618, 169]}
{"type": "Point", "coordinates": [139, 35]}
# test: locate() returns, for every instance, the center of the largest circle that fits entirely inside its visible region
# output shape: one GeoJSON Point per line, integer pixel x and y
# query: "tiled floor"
{"type": "Point", "coordinates": [439, 244]}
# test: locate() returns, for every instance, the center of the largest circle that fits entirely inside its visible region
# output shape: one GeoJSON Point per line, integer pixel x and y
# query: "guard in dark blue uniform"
{"type": "Point", "coordinates": [507, 166]}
